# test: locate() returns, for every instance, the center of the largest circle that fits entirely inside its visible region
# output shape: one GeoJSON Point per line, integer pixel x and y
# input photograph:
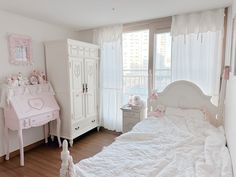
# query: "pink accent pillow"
{"type": "Point", "coordinates": [159, 111]}
{"type": "Point", "coordinates": [156, 114]}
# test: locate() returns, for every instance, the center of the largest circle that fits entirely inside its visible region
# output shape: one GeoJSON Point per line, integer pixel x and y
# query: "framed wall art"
{"type": "Point", "coordinates": [20, 49]}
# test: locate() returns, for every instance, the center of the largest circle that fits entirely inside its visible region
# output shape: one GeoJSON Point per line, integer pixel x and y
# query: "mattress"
{"type": "Point", "coordinates": [170, 146]}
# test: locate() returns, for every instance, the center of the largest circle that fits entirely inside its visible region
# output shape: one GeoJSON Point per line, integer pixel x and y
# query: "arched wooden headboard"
{"type": "Point", "coordinates": [184, 94]}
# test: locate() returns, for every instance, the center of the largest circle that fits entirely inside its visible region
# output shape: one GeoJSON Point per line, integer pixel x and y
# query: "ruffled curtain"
{"type": "Point", "coordinates": [197, 23]}
{"type": "Point", "coordinates": [197, 49]}
{"type": "Point", "coordinates": [110, 41]}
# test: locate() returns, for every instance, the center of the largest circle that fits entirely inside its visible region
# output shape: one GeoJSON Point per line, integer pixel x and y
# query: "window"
{"type": "Point", "coordinates": [162, 60]}
{"type": "Point", "coordinates": [153, 60]}
{"type": "Point", "coordinates": [135, 64]}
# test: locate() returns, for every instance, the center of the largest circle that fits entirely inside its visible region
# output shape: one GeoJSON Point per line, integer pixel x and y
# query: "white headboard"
{"type": "Point", "coordinates": [184, 94]}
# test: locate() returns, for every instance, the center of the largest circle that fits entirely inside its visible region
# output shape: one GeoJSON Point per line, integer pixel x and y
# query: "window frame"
{"type": "Point", "coordinates": [160, 31]}
{"type": "Point", "coordinates": [153, 26]}
{"type": "Point", "coordinates": [138, 30]}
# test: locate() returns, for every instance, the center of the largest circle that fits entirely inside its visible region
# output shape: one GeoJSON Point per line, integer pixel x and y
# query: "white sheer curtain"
{"type": "Point", "coordinates": [110, 41]}
{"type": "Point", "coordinates": [197, 50]}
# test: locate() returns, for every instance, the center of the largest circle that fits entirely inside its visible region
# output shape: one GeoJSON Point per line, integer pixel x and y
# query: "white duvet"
{"type": "Point", "coordinates": [163, 147]}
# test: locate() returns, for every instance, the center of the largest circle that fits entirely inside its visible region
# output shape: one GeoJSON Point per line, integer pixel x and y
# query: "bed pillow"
{"type": "Point", "coordinates": [194, 113]}
{"type": "Point", "coordinates": [158, 112]}
{"type": "Point", "coordinates": [172, 111]}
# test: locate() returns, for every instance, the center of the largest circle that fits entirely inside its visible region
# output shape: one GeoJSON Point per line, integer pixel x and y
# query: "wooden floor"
{"type": "Point", "coordinates": [44, 161]}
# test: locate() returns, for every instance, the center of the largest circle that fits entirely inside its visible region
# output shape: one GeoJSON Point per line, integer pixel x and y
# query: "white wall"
{"type": "Point", "coordinates": [230, 102]}
{"type": "Point", "coordinates": [39, 31]}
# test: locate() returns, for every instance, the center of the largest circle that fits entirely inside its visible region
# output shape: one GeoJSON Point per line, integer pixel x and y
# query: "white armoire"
{"type": "Point", "coordinates": [73, 69]}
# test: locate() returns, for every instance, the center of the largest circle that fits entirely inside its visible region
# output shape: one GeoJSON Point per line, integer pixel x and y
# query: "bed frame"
{"type": "Point", "coordinates": [182, 94]}
{"type": "Point", "coordinates": [186, 95]}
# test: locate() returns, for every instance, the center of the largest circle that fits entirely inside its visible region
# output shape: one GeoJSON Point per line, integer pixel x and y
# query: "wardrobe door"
{"type": "Point", "coordinates": [91, 77]}
{"type": "Point", "coordinates": [77, 95]}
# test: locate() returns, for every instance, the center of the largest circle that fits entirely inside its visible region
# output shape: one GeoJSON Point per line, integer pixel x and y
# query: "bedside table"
{"type": "Point", "coordinates": [131, 117]}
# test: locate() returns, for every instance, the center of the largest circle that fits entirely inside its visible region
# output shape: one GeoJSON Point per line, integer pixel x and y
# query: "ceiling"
{"type": "Point", "coordinates": [85, 14]}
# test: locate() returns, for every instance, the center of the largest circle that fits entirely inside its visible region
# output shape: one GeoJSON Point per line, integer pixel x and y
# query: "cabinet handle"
{"type": "Point", "coordinates": [83, 88]}
{"type": "Point", "coordinates": [86, 87]}
{"type": "Point", "coordinates": [93, 121]}
{"type": "Point", "coordinates": [77, 128]}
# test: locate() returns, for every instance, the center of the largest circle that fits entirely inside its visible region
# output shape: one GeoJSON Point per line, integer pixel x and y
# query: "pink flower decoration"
{"type": "Point", "coordinates": [154, 95]}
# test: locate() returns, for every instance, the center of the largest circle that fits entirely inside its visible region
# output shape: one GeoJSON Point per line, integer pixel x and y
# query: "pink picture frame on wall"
{"type": "Point", "coordinates": [20, 49]}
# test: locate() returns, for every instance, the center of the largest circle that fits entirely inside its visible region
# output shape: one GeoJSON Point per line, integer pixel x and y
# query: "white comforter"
{"type": "Point", "coordinates": [163, 147]}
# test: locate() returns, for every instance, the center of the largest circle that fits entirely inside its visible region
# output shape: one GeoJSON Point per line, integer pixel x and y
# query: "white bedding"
{"type": "Point", "coordinates": [163, 147]}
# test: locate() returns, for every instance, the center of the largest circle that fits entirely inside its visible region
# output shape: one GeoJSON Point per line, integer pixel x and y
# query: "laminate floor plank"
{"type": "Point", "coordinates": [44, 161]}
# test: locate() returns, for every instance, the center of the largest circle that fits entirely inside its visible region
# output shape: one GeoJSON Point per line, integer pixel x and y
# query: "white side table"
{"type": "Point", "coordinates": [131, 117]}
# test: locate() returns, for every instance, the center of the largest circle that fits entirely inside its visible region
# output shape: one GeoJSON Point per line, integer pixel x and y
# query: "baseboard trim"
{"type": "Point", "coordinates": [27, 148]}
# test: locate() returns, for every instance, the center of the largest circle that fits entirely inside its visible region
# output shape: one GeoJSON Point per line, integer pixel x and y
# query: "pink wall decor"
{"type": "Point", "coordinates": [20, 49]}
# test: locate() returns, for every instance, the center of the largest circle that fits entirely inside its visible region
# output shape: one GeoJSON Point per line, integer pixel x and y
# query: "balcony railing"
{"type": "Point", "coordinates": [135, 82]}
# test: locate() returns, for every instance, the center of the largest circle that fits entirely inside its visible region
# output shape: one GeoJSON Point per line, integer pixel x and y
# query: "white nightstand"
{"type": "Point", "coordinates": [131, 117]}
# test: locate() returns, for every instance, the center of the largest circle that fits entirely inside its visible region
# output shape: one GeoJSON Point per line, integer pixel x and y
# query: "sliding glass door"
{"type": "Point", "coordinates": [135, 64]}
{"type": "Point", "coordinates": [162, 60]}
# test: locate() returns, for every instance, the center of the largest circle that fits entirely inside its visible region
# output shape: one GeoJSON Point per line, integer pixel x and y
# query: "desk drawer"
{"type": "Point", "coordinates": [41, 119]}
{"type": "Point", "coordinates": [25, 123]}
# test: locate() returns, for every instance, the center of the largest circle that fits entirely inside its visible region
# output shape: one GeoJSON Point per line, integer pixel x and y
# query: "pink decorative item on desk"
{"type": "Point", "coordinates": [41, 77]}
{"type": "Point", "coordinates": [17, 80]}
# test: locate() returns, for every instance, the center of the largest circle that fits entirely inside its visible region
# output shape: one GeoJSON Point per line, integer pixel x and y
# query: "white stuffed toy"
{"type": "Point", "coordinates": [136, 102]}
{"type": "Point", "coordinates": [20, 79]}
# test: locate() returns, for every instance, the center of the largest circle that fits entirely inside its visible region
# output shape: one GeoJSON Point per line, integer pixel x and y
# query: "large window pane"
{"type": "Point", "coordinates": [162, 55]}
{"type": "Point", "coordinates": [135, 64]}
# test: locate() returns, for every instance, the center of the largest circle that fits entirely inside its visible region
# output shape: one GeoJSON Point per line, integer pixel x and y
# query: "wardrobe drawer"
{"type": "Point", "coordinates": [77, 126]}
{"type": "Point", "coordinates": [93, 121]}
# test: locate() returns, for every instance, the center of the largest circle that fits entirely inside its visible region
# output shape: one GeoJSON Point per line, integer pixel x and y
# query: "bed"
{"type": "Point", "coordinates": [188, 141]}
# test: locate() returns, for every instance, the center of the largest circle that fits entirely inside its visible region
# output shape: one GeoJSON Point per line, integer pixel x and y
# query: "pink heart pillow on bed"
{"type": "Point", "coordinates": [156, 114]}
{"type": "Point", "coordinates": [159, 111]}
